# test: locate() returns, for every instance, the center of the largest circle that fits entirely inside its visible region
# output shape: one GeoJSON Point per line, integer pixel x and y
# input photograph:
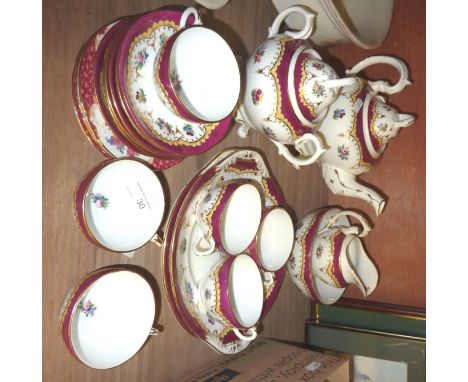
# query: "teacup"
{"type": "Point", "coordinates": [196, 75]}
{"type": "Point", "coordinates": [228, 217]}
{"type": "Point", "coordinates": [234, 292]}
{"type": "Point", "coordinates": [119, 205]}
{"type": "Point", "coordinates": [274, 241]}
{"type": "Point", "coordinates": [95, 328]}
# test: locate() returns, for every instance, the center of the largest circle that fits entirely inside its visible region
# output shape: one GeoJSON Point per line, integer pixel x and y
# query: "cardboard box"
{"type": "Point", "coordinates": [267, 360]}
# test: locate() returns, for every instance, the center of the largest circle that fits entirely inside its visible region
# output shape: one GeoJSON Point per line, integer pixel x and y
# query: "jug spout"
{"type": "Point", "coordinates": [342, 182]}
{"type": "Point", "coordinates": [357, 267]}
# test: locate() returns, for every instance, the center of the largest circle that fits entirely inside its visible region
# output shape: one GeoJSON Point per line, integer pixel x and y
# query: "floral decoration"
{"type": "Point", "coordinates": [210, 318]}
{"type": "Point", "coordinates": [176, 81]}
{"type": "Point", "coordinates": [268, 132]}
{"type": "Point", "coordinates": [257, 96]}
{"type": "Point", "coordinates": [141, 96]}
{"type": "Point", "coordinates": [208, 294]}
{"type": "Point", "coordinates": [319, 251]}
{"type": "Point", "coordinates": [162, 37]}
{"type": "Point", "coordinates": [100, 200]}
{"type": "Point", "coordinates": [259, 53]}
{"type": "Point", "coordinates": [318, 89]}
{"type": "Point", "coordinates": [339, 113]}
{"type": "Point", "coordinates": [142, 56]}
{"type": "Point", "coordinates": [163, 125]}
{"type": "Point", "coordinates": [188, 129]}
{"type": "Point", "coordinates": [343, 152]}
{"type": "Point", "coordinates": [317, 65]}
{"type": "Point", "coordinates": [189, 292]}
{"type": "Point", "coordinates": [88, 308]}
{"type": "Point", "coordinates": [183, 245]}
{"type": "Point", "coordinates": [115, 141]}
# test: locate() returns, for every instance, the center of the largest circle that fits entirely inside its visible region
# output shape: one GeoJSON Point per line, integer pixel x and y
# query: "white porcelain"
{"type": "Point", "coordinates": [167, 126]}
{"type": "Point", "coordinates": [357, 129]}
{"type": "Point", "coordinates": [124, 205]}
{"type": "Point", "coordinates": [273, 243]}
{"type": "Point", "coordinates": [328, 256]}
{"type": "Point", "coordinates": [199, 74]}
{"type": "Point", "coordinates": [338, 256]}
{"type": "Point", "coordinates": [228, 216]}
{"type": "Point", "coordinates": [268, 102]}
{"type": "Point", "coordinates": [362, 22]}
{"type": "Point", "coordinates": [192, 268]}
{"type": "Point", "coordinates": [113, 319]}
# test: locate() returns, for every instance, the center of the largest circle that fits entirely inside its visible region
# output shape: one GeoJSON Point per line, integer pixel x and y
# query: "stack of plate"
{"type": "Point", "coordinates": [116, 102]}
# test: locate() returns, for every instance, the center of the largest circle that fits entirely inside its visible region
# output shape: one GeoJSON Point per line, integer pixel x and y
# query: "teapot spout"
{"type": "Point", "coordinates": [403, 120]}
{"type": "Point", "coordinates": [358, 268]}
{"type": "Point", "coordinates": [342, 182]}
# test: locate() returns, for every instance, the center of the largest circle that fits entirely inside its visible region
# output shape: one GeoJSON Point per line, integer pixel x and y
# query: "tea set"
{"type": "Point", "coordinates": [146, 94]}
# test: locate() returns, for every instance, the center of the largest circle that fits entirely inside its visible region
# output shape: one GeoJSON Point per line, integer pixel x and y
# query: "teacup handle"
{"type": "Point", "coordinates": [302, 34]}
{"type": "Point", "coordinates": [252, 334]}
{"type": "Point", "coordinates": [384, 86]}
{"type": "Point", "coordinates": [299, 145]}
{"type": "Point", "coordinates": [353, 230]}
{"type": "Point", "coordinates": [190, 11]}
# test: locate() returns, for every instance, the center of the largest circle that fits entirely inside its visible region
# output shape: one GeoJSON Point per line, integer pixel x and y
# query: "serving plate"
{"type": "Point", "coordinates": [183, 269]}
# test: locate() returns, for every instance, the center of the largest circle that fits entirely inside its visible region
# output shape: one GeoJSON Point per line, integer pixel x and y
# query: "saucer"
{"type": "Point", "coordinates": [135, 83]}
{"type": "Point", "coordinates": [88, 111]}
{"type": "Point", "coordinates": [185, 269]}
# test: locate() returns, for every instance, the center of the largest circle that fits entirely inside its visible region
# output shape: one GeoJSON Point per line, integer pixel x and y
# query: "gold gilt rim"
{"type": "Point", "coordinates": [178, 142]}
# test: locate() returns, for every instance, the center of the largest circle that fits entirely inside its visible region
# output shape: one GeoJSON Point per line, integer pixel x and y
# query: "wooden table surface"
{"type": "Point", "coordinates": [67, 157]}
{"type": "Point", "coordinates": [396, 243]}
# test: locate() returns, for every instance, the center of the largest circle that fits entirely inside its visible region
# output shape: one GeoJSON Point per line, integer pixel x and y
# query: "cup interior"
{"type": "Point", "coordinates": [204, 73]}
{"type": "Point", "coordinates": [240, 219]}
{"type": "Point", "coordinates": [124, 205]}
{"type": "Point", "coordinates": [245, 290]}
{"type": "Point", "coordinates": [275, 239]}
{"type": "Point", "coordinates": [113, 319]}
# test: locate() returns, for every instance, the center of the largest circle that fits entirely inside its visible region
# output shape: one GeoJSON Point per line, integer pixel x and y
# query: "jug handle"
{"type": "Point", "coordinates": [190, 11]}
{"type": "Point", "coordinates": [366, 228]}
{"type": "Point", "coordinates": [302, 34]}
{"type": "Point", "coordinates": [384, 86]}
{"type": "Point", "coordinates": [298, 162]}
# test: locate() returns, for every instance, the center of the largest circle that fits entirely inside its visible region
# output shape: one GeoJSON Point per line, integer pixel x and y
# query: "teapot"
{"type": "Point", "coordinates": [281, 66]}
{"type": "Point", "coordinates": [357, 129]}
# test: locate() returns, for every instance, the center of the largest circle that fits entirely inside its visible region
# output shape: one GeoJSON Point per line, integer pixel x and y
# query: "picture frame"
{"type": "Point", "coordinates": [383, 340]}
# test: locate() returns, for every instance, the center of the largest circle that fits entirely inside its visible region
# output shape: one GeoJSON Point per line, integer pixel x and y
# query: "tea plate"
{"type": "Point", "coordinates": [88, 110]}
{"type": "Point", "coordinates": [135, 64]}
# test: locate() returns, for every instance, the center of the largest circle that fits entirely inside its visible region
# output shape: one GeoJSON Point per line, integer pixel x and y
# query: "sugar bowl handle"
{"type": "Point", "coordinates": [307, 140]}
{"type": "Point", "coordinates": [302, 34]}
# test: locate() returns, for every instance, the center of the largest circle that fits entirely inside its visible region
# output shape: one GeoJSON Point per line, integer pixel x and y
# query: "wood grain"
{"type": "Point", "coordinates": [398, 241]}
{"type": "Point", "coordinates": [67, 157]}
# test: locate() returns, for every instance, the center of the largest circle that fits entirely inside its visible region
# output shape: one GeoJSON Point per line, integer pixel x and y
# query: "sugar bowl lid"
{"type": "Point", "coordinates": [99, 326]}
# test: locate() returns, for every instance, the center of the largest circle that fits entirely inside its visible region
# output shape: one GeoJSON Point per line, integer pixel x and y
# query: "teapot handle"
{"type": "Point", "coordinates": [302, 34]}
{"type": "Point", "coordinates": [352, 229]}
{"type": "Point", "coordinates": [252, 334]}
{"type": "Point", "coordinates": [384, 86]}
{"type": "Point", "coordinates": [299, 144]}
{"type": "Point", "coordinates": [190, 11]}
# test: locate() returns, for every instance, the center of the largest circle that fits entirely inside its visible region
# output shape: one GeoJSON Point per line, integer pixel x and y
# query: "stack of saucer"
{"type": "Point", "coordinates": [129, 106]}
